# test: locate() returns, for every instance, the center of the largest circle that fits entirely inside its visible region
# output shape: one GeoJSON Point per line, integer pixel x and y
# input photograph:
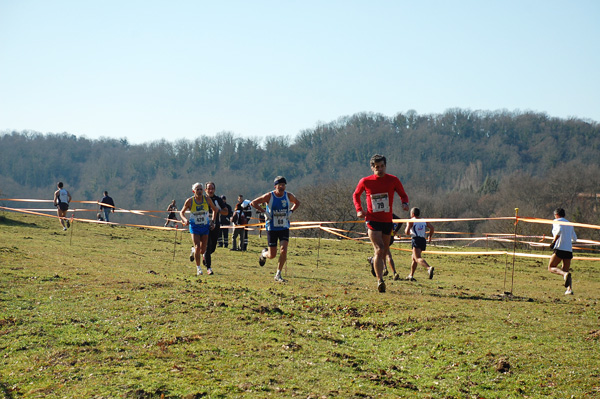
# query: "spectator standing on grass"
{"type": "Point", "coordinates": [247, 209]}
{"type": "Point", "coordinates": [223, 239]}
{"type": "Point", "coordinates": [379, 188]}
{"type": "Point", "coordinates": [199, 222]}
{"type": "Point", "coordinates": [278, 207]}
{"type": "Point", "coordinates": [171, 209]}
{"type": "Point", "coordinates": [261, 220]}
{"type": "Point", "coordinates": [418, 231]}
{"type": "Point", "coordinates": [562, 244]}
{"type": "Point", "coordinates": [62, 198]}
{"type": "Point", "coordinates": [107, 205]}
{"type": "Point", "coordinates": [215, 231]}
{"type": "Point", "coordinates": [239, 221]}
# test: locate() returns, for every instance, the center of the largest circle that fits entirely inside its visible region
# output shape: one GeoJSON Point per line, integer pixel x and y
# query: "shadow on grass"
{"type": "Point", "coordinates": [9, 222]}
{"type": "Point", "coordinates": [499, 297]}
{"type": "Point", "coordinates": [6, 391]}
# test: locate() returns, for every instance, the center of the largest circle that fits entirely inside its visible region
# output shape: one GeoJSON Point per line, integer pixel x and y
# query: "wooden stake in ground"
{"type": "Point", "coordinates": [71, 227]}
{"type": "Point", "coordinates": [175, 243]}
{"type": "Point", "coordinates": [512, 280]}
{"type": "Point", "coordinates": [319, 245]}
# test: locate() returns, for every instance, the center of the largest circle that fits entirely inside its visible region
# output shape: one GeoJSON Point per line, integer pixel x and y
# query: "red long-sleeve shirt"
{"type": "Point", "coordinates": [380, 196]}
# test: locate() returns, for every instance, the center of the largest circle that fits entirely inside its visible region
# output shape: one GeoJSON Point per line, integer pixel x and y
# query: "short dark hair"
{"type": "Point", "coordinates": [560, 212]}
{"type": "Point", "coordinates": [377, 158]}
{"type": "Point", "coordinates": [60, 184]}
{"type": "Point", "coordinates": [415, 211]}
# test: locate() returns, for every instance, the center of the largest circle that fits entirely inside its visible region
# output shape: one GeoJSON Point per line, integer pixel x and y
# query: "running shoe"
{"type": "Point", "coordinates": [568, 280]}
{"type": "Point", "coordinates": [198, 271]}
{"type": "Point", "coordinates": [262, 260]}
{"type": "Point", "coordinates": [396, 277]}
{"type": "Point", "coordinates": [278, 278]}
{"type": "Point", "coordinates": [430, 272]}
{"type": "Point", "coordinates": [385, 271]}
{"type": "Point", "coordinates": [569, 291]}
{"type": "Point", "coordinates": [192, 255]}
{"type": "Point", "coordinates": [209, 271]}
{"type": "Point", "coordinates": [411, 278]}
{"type": "Point", "coordinates": [370, 260]}
{"type": "Point", "coordinates": [381, 286]}
{"type": "Point", "coordinates": [68, 224]}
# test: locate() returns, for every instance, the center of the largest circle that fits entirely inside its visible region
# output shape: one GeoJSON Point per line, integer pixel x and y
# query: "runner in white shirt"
{"type": "Point", "coordinates": [62, 198]}
{"type": "Point", "coordinates": [418, 231]}
{"type": "Point", "coordinates": [562, 244]}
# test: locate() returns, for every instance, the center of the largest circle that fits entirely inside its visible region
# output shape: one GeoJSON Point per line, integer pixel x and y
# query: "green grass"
{"type": "Point", "coordinates": [107, 312]}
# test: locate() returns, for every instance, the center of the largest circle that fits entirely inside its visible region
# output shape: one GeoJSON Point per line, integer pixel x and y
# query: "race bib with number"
{"type": "Point", "coordinates": [280, 219]}
{"type": "Point", "coordinates": [380, 202]}
{"type": "Point", "coordinates": [199, 218]}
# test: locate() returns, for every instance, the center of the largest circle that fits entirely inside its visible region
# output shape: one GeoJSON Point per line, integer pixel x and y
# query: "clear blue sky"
{"type": "Point", "coordinates": [148, 70]}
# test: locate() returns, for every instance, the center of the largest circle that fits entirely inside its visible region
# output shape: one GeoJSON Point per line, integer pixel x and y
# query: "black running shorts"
{"type": "Point", "coordinates": [384, 227]}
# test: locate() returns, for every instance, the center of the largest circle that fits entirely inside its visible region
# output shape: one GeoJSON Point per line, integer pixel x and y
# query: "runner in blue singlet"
{"type": "Point", "coordinates": [199, 222]}
{"type": "Point", "coordinates": [279, 207]}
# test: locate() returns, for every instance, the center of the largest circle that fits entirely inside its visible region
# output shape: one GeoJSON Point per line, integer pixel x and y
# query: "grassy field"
{"type": "Point", "coordinates": [101, 312]}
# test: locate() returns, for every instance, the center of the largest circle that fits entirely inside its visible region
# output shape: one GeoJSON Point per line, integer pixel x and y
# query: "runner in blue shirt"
{"type": "Point", "coordinates": [279, 207]}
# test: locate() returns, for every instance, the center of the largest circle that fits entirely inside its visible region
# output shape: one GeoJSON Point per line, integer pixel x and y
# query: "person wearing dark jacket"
{"type": "Point", "coordinates": [107, 205]}
{"type": "Point", "coordinates": [215, 231]}
{"type": "Point", "coordinates": [223, 239]}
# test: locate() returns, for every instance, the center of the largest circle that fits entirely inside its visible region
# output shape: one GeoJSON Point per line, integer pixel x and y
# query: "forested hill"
{"type": "Point", "coordinates": [459, 151]}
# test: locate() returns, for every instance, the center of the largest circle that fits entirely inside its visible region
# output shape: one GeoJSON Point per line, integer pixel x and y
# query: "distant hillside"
{"type": "Point", "coordinates": [457, 155]}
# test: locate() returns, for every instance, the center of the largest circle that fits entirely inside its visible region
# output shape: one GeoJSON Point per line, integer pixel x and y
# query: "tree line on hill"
{"type": "Point", "coordinates": [458, 164]}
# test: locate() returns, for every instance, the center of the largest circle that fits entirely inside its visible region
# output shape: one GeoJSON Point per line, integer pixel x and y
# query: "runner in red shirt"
{"type": "Point", "coordinates": [380, 188]}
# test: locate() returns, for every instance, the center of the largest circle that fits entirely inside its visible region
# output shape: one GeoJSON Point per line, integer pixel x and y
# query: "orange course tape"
{"type": "Point", "coordinates": [546, 221]}
{"type": "Point", "coordinates": [337, 232]}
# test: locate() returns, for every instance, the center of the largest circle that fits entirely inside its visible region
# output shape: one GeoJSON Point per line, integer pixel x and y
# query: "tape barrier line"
{"type": "Point", "coordinates": [71, 218]}
{"type": "Point", "coordinates": [469, 253]}
{"type": "Point", "coordinates": [31, 212]}
{"type": "Point", "coordinates": [520, 254]}
{"type": "Point", "coordinates": [331, 231]}
{"type": "Point", "coordinates": [54, 210]}
{"type": "Point", "coordinates": [246, 226]}
{"type": "Point", "coordinates": [304, 227]}
{"type": "Point", "coordinates": [424, 220]}
{"type": "Point", "coordinates": [309, 223]}
{"type": "Point", "coordinates": [546, 221]}
{"type": "Point", "coordinates": [497, 237]}
{"type": "Point", "coordinates": [24, 200]}
{"type": "Point", "coordinates": [518, 219]}
{"type": "Point", "coordinates": [401, 220]}
{"type": "Point", "coordinates": [442, 220]}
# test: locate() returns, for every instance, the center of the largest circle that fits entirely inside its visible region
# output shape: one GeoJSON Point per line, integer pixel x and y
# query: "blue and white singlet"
{"type": "Point", "coordinates": [278, 210]}
{"type": "Point", "coordinates": [418, 229]}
